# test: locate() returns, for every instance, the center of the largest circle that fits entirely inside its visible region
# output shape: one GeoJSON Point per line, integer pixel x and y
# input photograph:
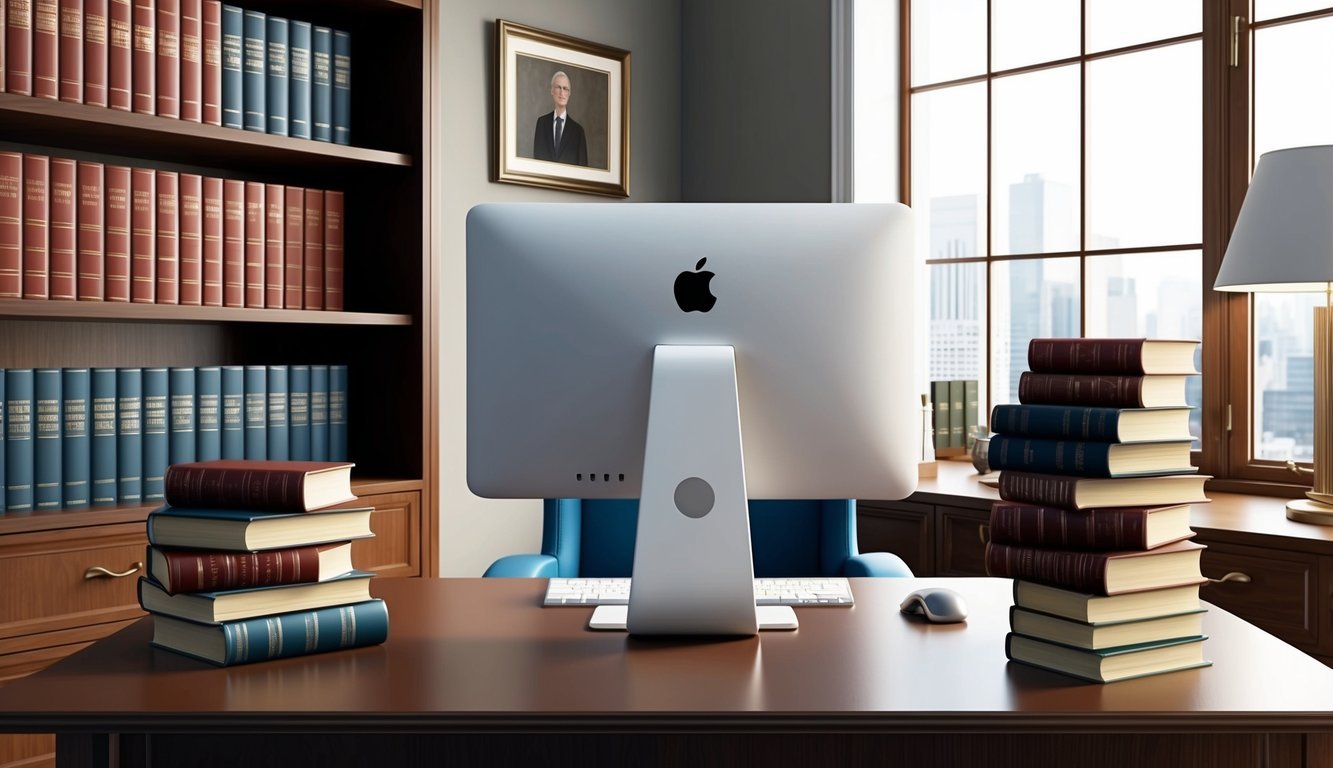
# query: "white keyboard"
{"type": "Point", "coordinates": [813, 591]}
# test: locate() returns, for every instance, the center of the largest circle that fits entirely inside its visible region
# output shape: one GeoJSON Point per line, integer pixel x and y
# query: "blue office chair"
{"type": "Point", "coordinates": [595, 538]}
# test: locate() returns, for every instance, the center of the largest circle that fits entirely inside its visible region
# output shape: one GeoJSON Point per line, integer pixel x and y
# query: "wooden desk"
{"type": "Point", "coordinates": [476, 673]}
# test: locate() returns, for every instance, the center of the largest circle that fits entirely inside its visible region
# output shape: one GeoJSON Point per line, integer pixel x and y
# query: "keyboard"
{"type": "Point", "coordinates": [812, 591]}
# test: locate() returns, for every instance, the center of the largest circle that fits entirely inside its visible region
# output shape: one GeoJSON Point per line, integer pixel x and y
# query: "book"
{"type": "Point", "coordinates": [333, 251]}
{"type": "Point", "coordinates": [1088, 458]}
{"type": "Point", "coordinates": [1075, 422]}
{"type": "Point", "coordinates": [274, 637]}
{"type": "Point", "coordinates": [956, 398]}
{"type": "Point", "coordinates": [116, 233]}
{"type": "Point", "coordinates": [1108, 665]}
{"type": "Point", "coordinates": [313, 279]}
{"type": "Point", "coordinates": [233, 412]}
{"type": "Point", "coordinates": [1095, 637]}
{"type": "Point", "coordinates": [19, 452]}
{"type": "Point", "coordinates": [190, 238]}
{"type": "Point", "coordinates": [181, 441]}
{"type": "Point", "coordinates": [211, 57]}
{"type": "Point", "coordinates": [248, 531]}
{"type": "Point", "coordinates": [273, 486]}
{"type": "Point", "coordinates": [18, 48]}
{"type": "Point", "coordinates": [11, 225]}
{"type": "Point", "coordinates": [337, 413]}
{"type": "Point", "coordinates": [193, 570]}
{"type": "Point", "coordinates": [155, 436]}
{"type": "Point", "coordinates": [208, 413]}
{"type": "Point", "coordinates": [256, 412]}
{"type": "Point", "coordinates": [342, 87]}
{"type": "Point", "coordinates": [298, 94]}
{"type": "Point", "coordinates": [298, 416]}
{"type": "Point", "coordinates": [91, 260]}
{"type": "Point", "coordinates": [232, 71]}
{"type": "Point", "coordinates": [71, 51]}
{"type": "Point", "coordinates": [166, 242]}
{"type": "Point", "coordinates": [36, 210]}
{"type": "Point", "coordinates": [321, 84]}
{"type": "Point", "coordinates": [277, 427]}
{"type": "Point", "coordinates": [233, 243]}
{"type": "Point", "coordinates": [275, 87]}
{"type": "Point", "coordinates": [143, 236]}
{"type": "Point", "coordinates": [1112, 356]}
{"type": "Point", "coordinates": [1100, 609]}
{"type": "Point", "coordinates": [939, 396]}
{"type": "Point", "coordinates": [167, 55]}
{"type": "Point", "coordinates": [76, 439]}
{"type": "Point", "coordinates": [47, 454]}
{"type": "Point", "coordinates": [1098, 573]}
{"type": "Point", "coordinates": [62, 237]}
{"type": "Point", "coordinates": [120, 55]}
{"type": "Point", "coordinates": [231, 604]}
{"type": "Point", "coordinates": [102, 445]}
{"type": "Point", "coordinates": [4, 438]}
{"type": "Point", "coordinates": [129, 436]}
{"type": "Point", "coordinates": [255, 226]}
{"type": "Point", "coordinates": [319, 413]}
{"type": "Point", "coordinates": [254, 71]}
{"type": "Point", "coordinates": [45, 48]}
{"type": "Point", "coordinates": [294, 248]}
{"type": "Point", "coordinates": [143, 60]}
{"type": "Point", "coordinates": [211, 229]}
{"type": "Point", "coordinates": [95, 19]}
{"type": "Point", "coordinates": [1109, 528]}
{"type": "Point", "coordinates": [971, 412]}
{"type": "Point", "coordinates": [1073, 492]}
{"type": "Point", "coordinates": [191, 60]}
{"type": "Point", "coordinates": [274, 268]}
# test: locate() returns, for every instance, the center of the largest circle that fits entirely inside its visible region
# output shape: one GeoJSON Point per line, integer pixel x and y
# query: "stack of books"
{"type": "Point", "coordinates": [252, 560]}
{"type": "Point", "coordinates": [1093, 525]}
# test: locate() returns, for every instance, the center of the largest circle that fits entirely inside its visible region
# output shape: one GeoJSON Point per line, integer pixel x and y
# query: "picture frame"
{"type": "Point", "coordinates": [538, 73]}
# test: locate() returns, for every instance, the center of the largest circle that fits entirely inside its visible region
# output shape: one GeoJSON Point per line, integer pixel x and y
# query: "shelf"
{"type": "Point", "coordinates": [177, 313]}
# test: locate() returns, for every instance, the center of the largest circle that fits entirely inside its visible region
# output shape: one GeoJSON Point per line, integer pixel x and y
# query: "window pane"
{"type": "Point", "coordinates": [1276, 9]}
{"type": "Point", "coordinates": [949, 171]}
{"type": "Point", "coordinates": [948, 40]}
{"type": "Point", "coordinates": [958, 324]}
{"type": "Point", "coordinates": [1035, 174]}
{"type": "Point", "coordinates": [1030, 298]}
{"type": "Point", "coordinates": [1287, 113]}
{"type": "Point", "coordinates": [1118, 23]}
{"type": "Point", "coordinates": [1283, 387]}
{"type": "Point", "coordinates": [1144, 148]}
{"type": "Point", "coordinates": [1032, 31]}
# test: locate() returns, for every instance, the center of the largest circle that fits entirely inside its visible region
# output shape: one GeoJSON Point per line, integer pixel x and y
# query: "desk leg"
{"type": "Point", "coordinates": [101, 750]}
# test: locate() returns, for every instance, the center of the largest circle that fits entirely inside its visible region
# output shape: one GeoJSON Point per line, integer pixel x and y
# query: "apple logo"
{"type": "Point", "coordinates": [692, 292]}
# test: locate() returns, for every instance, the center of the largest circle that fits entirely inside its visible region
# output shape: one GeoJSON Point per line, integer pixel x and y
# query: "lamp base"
{"type": "Point", "coordinates": [1310, 511]}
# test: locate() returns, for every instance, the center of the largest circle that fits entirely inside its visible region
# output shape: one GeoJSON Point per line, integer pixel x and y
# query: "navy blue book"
{"type": "Point", "coordinates": [233, 412]}
{"type": "Point", "coordinates": [276, 86]}
{"type": "Point", "coordinates": [321, 84]}
{"type": "Point", "coordinates": [129, 436]}
{"type": "Point", "coordinates": [256, 412]}
{"type": "Point", "coordinates": [18, 439]}
{"type": "Point", "coordinates": [208, 413]}
{"type": "Point", "coordinates": [278, 432]}
{"type": "Point", "coordinates": [1089, 459]}
{"type": "Point", "coordinates": [342, 87]}
{"type": "Point", "coordinates": [155, 449]}
{"type": "Point", "coordinates": [254, 71]}
{"type": "Point", "coordinates": [181, 441]}
{"type": "Point", "coordinates": [1077, 422]}
{"type": "Point", "coordinates": [337, 413]}
{"type": "Point", "coordinates": [76, 439]}
{"type": "Point", "coordinates": [298, 84]}
{"type": "Point", "coordinates": [47, 455]}
{"type": "Point", "coordinates": [298, 412]}
{"type": "Point", "coordinates": [298, 633]}
{"type": "Point", "coordinates": [233, 32]}
{"type": "Point", "coordinates": [105, 477]}
{"type": "Point", "coordinates": [319, 413]}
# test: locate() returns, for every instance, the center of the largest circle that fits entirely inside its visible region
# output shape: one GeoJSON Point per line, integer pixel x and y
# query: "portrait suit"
{"type": "Point", "coordinates": [573, 145]}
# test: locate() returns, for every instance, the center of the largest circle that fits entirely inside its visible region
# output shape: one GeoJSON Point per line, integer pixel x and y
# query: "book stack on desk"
{"type": "Point", "coordinates": [252, 560]}
{"type": "Point", "coordinates": [1093, 523]}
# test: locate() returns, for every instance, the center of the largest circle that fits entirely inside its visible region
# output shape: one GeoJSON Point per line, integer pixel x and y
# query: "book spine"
{"type": "Point", "coordinates": [116, 213]}
{"type": "Point", "coordinates": [181, 440]}
{"type": "Point", "coordinates": [1047, 490]}
{"type": "Point", "coordinates": [1058, 422]}
{"type": "Point", "coordinates": [956, 413]}
{"type": "Point", "coordinates": [104, 474]}
{"type": "Point", "coordinates": [19, 423]}
{"type": "Point", "coordinates": [211, 62]}
{"type": "Point", "coordinates": [95, 18]}
{"type": "Point", "coordinates": [233, 412]}
{"type": "Point", "coordinates": [314, 249]}
{"type": "Point", "coordinates": [1075, 571]}
{"type": "Point", "coordinates": [274, 200]}
{"type": "Point", "coordinates": [342, 87]}
{"type": "Point", "coordinates": [192, 62]}
{"type": "Point", "coordinates": [321, 84]}
{"type": "Point", "coordinates": [306, 632]}
{"type": "Point", "coordinates": [1105, 356]}
{"type": "Point", "coordinates": [11, 225]}
{"type": "Point", "coordinates": [47, 454]}
{"type": "Point", "coordinates": [120, 55]}
{"type": "Point", "coordinates": [92, 232]}
{"type": "Point", "coordinates": [253, 66]}
{"type": "Point", "coordinates": [257, 487]}
{"type": "Point", "coordinates": [167, 58]}
{"type": "Point", "coordinates": [298, 413]}
{"type": "Point", "coordinates": [143, 67]}
{"type": "Point", "coordinates": [333, 251]}
{"type": "Point", "coordinates": [1076, 389]}
{"type": "Point", "coordinates": [275, 87]}
{"type": "Point", "coordinates": [71, 51]}
{"type": "Point", "coordinates": [129, 436]}
{"type": "Point", "coordinates": [337, 413]}
{"type": "Point", "coordinates": [191, 571]}
{"type": "Point", "coordinates": [294, 248]}
{"type": "Point", "coordinates": [208, 413]}
{"type": "Point", "coordinates": [1056, 457]}
{"type": "Point", "coordinates": [166, 242]}
{"type": "Point", "coordinates": [233, 27]}
{"type": "Point", "coordinates": [211, 256]}
{"type": "Point", "coordinates": [18, 47]}
{"type": "Point", "coordinates": [233, 243]}
{"type": "Point", "coordinates": [298, 96]}
{"type": "Point", "coordinates": [278, 430]}
{"type": "Point", "coordinates": [971, 397]}
{"type": "Point", "coordinates": [255, 225]}
{"type": "Point", "coordinates": [319, 413]}
{"type": "Point", "coordinates": [190, 238]}
{"type": "Point", "coordinates": [46, 48]}
{"type": "Point", "coordinates": [36, 215]}
{"type": "Point", "coordinates": [1031, 525]}
{"type": "Point", "coordinates": [256, 411]}
{"type": "Point", "coordinates": [143, 236]}
{"type": "Point", "coordinates": [156, 390]}
{"type": "Point", "coordinates": [62, 239]}
{"type": "Point", "coordinates": [76, 439]}
{"type": "Point", "coordinates": [939, 395]}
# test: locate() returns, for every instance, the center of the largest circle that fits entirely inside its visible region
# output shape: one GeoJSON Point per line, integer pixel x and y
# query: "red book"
{"type": "Point", "coordinates": [62, 241]}
{"type": "Point", "coordinates": [168, 57]}
{"type": "Point", "coordinates": [1071, 492]}
{"type": "Point", "coordinates": [71, 51]}
{"type": "Point", "coordinates": [191, 238]}
{"type": "Point", "coordinates": [116, 214]}
{"type": "Point", "coordinates": [271, 486]}
{"type": "Point", "coordinates": [1105, 528]}
{"type": "Point", "coordinates": [192, 62]}
{"type": "Point", "coordinates": [168, 246]}
{"type": "Point", "coordinates": [119, 54]}
{"type": "Point", "coordinates": [274, 236]}
{"type": "Point", "coordinates": [18, 47]}
{"type": "Point", "coordinates": [211, 56]}
{"type": "Point", "coordinates": [233, 243]}
{"type": "Point", "coordinates": [314, 249]}
{"type": "Point", "coordinates": [294, 247]}
{"type": "Point", "coordinates": [143, 67]}
{"type": "Point", "coordinates": [1098, 573]}
{"type": "Point", "coordinates": [333, 251]}
{"type": "Point", "coordinates": [11, 225]}
{"type": "Point", "coordinates": [1105, 391]}
{"type": "Point", "coordinates": [1112, 356]}
{"type": "Point", "coordinates": [255, 227]}
{"type": "Point", "coordinates": [92, 232]}
{"type": "Point", "coordinates": [143, 236]}
{"type": "Point", "coordinates": [182, 571]}
{"type": "Point", "coordinates": [46, 48]}
{"type": "Point", "coordinates": [212, 239]}
{"type": "Point", "coordinates": [36, 214]}
{"type": "Point", "coordinates": [94, 52]}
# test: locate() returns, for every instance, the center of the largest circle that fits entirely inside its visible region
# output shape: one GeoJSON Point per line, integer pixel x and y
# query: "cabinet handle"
{"type": "Point", "coordinates": [983, 533]}
{"type": "Point", "coordinates": [98, 572]}
{"type": "Point", "coordinates": [1236, 576]}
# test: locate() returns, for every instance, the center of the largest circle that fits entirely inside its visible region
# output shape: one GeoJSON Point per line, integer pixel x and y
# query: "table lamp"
{"type": "Point", "coordinates": [1283, 242]}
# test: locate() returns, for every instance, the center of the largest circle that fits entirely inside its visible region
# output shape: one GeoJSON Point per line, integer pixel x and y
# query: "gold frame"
{"type": "Point", "coordinates": [510, 41]}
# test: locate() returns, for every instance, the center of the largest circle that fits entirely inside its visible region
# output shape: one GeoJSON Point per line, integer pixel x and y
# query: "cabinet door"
{"type": "Point", "coordinates": [900, 527]}
{"type": "Point", "coordinates": [1281, 595]}
{"type": "Point", "coordinates": [396, 548]}
{"type": "Point", "coordinates": [961, 541]}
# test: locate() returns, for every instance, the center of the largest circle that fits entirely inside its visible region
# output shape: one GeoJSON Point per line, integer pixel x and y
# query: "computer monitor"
{"type": "Point", "coordinates": [693, 356]}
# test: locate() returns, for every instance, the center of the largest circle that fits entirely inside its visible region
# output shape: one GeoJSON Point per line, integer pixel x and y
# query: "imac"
{"type": "Point", "coordinates": [694, 356]}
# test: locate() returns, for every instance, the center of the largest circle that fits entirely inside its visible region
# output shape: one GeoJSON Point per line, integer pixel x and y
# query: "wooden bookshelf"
{"type": "Point", "coordinates": [176, 313]}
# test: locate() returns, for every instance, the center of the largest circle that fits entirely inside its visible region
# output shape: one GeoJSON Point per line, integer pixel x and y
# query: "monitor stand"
{"type": "Point", "coordinates": [693, 571]}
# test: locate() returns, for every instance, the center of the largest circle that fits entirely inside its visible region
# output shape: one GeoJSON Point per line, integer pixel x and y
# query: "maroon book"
{"type": "Point", "coordinates": [212, 242]}
{"type": "Point", "coordinates": [62, 241]}
{"type": "Point", "coordinates": [143, 67]}
{"type": "Point", "coordinates": [18, 47]}
{"type": "Point", "coordinates": [1098, 573]}
{"type": "Point", "coordinates": [294, 248]}
{"type": "Point", "coordinates": [94, 52]}
{"type": "Point", "coordinates": [143, 236]}
{"type": "Point", "coordinates": [1112, 356]}
{"type": "Point", "coordinates": [183, 571]}
{"type": "Point", "coordinates": [168, 58]}
{"type": "Point", "coordinates": [116, 213]}
{"type": "Point", "coordinates": [314, 249]}
{"type": "Point", "coordinates": [255, 227]}
{"type": "Point", "coordinates": [92, 232]}
{"type": "Point", "coordinates": [211, 56]}
{"type": "Point", "coordinates": [1141, 391]}
{"type": "Point", "coordinates": [119, 54]}
{"type": "Point", "coordinates": [333, 251]}
{"type": "Point", "coordinates": [168, 245]}
{"type": "Point", "coordinates": [274, 199]}
{"type": "Point", "coordinates": [233, 243]}
{"type": "Point", "coordinates": [1104, 528]}
{"type": "Point", "coordinates": [272, 486]}
{"type": "Point", "coordinates": [11, 225]}
{"type": "Point", "coordinates": [71, 51]}
{"type": "Point", "coordinates": [190, 236]}
{"type": "Point", "coordinates": [191, 61]}
{"type": "Point", "coordinates": [46, 48]}
{"type": "Point", "coordinates": [36, 214]}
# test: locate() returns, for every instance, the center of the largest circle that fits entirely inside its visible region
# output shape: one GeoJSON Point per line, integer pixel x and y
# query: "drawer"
{"type": "Point", "coordinates": [962, 546]}
{"type": "Point", "coordinates": [396, 548]}
{"type": "Point", "coordinates": [1280, 597]}
{"type": "Point", "coordinates": [902, 528]}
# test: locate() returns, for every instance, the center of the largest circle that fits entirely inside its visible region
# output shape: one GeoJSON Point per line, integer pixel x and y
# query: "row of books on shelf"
{"type": "Point", "coordinates": [80, 437]}
{"type": "Point", "coordinates": [954, 410]}
{"type": "Point", "coordinates": [88, 231]}
{"type": "Point", "coordinates": [195, 60]}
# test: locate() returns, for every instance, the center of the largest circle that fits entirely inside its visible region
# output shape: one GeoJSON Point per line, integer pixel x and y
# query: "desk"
{"type": "Point", "coordinates": [476, 673]}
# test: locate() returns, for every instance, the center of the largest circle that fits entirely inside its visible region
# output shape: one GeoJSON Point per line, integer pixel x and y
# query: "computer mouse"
{"type": "Point", "coordinates": [940, 605]}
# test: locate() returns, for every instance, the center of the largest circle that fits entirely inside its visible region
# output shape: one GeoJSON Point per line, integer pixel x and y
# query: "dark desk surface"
{"type": "Point", "coordinates": [477, 655]}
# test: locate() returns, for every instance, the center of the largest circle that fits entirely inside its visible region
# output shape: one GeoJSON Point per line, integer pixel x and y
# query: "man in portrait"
{"type": "Point", "coordinates": [558, 138]}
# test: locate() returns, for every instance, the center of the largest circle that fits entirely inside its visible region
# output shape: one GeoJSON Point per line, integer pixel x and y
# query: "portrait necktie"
{"type": "Point", "coordinates": [559, 131]}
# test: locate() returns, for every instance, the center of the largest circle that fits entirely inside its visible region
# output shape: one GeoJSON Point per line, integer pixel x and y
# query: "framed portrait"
{"type": "Point", "coordinates": [562, 112]}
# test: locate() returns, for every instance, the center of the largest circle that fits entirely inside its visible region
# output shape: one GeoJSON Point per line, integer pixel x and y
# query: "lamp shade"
{"type": "Point", "coordinates": [1283, 240]}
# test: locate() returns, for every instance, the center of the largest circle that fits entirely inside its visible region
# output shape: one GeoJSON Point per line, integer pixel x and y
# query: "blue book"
{"type": "Point", "coordinates": [208, 413]}
{"type": "Point", "coordinates": [298, 633]}
{"type": "Point", "coordinates": [181, 441]}
{"type": "Point", "coordinates": [233, 412]}
{"type": "Point", "coordinates": [129, 436]}
{"type": "Point", "coordinates": [47, 456]}
{"type": "Point", "coordinates": [278, 432]}
{"type": "Point", "coordinates": [1089, 459]}
{"type": "Point", "coordinates": [105, 477]}
{"type": "Point", "coordinates": [76, 438]}
{"type": "Point", "coordinates": [1078, 422]}
{"type": "Point", "coordinates": [254, 72]}
{"type": "Point", "coordinates": [155, 450]}
{"type": "Point", "coordinates": [337, 413]}
{"type": "Point", "coordinates": [321, 84]}
{"type": "Point", "coordinates": [276, 86]}
{"type": "Point", "coordinates": [342, 87]}
{"type": "Point", "coordinates": [319, 413]}
{"type": "Point", "coordinates": [18, 439]}
{"type": "Point", "coordinates": [233, 27]}
{"type": "Point", "coordinates": [256, 412]}
{"type": "Point", "coordinates": [298, 83]}
{"type": "Point", "coordinates": [298, 412]}
{"type": "Point", "coordinates": [251, 530]}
